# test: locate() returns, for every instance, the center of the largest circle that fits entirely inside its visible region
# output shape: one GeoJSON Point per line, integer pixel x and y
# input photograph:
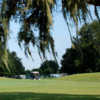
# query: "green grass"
{"type": "Point", "coordinates": [83, 77]}
{"type": "Point", "coordinates": [75, 87]}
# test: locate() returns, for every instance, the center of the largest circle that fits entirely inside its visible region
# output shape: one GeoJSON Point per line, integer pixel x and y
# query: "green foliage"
{"type": "Point", "coordinates": [89, 40]}
{"type": "Point", "coordinates": [37, 69]}
{"type": "Point", "coordinates": [84, 56]}
{"type": "Point", "coordinates": [78, 10]}
{"type": "Point", "coordinates": [37, 15]}
{"type": "Point", "coordinates": [14, 64]}
{"type": "Point", "coordinates": [68, 61]}
{"type": "Point", "coordinates": [48, 67]}
{"type": "Point", "coordinates": [32, 14]}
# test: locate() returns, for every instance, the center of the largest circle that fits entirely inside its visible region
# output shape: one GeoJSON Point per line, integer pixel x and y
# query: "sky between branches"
{"type": "Point", "coordinates": [61, 37]}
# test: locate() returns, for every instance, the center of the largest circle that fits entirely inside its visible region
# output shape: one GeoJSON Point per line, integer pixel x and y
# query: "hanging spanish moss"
{"type": "Point", "coordinates": [38, 14]}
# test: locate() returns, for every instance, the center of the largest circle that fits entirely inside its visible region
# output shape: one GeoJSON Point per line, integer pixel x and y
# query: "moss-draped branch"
{"type": "Point", "coordinates": [37, 14]}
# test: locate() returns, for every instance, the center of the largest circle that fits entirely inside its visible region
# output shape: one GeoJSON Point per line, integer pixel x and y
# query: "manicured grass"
{"type": "Point", "coordinates": [83, 77]}
{"type": "Point", "coordinates": [66, 88]}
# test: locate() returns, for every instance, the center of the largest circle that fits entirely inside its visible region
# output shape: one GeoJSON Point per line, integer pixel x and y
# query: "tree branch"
{"type": "Point", "coordinates": [94, 2]}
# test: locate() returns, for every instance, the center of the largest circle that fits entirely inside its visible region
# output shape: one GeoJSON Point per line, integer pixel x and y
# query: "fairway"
{"type": "Point", "coordinates": [54, 89]}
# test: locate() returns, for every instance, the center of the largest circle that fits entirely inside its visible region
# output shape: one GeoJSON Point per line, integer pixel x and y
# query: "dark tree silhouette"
{"type": "Point", "coordinates": [48, 67]}
{"type": "Point", "coordinates": [84, 56]}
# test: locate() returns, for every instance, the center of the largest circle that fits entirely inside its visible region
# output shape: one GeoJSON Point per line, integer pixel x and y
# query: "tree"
{"type": "Point", "coordinates": [14, 64]}
{"type": "Point", "coordinates": [68, 61]}
{"type": "Point", "coordinates": [36, 69]}
{"type": "Point", "coordinates": [89, 37]}
{"type": "Point", "coordinates": [37, 14]}
{"type": "Point", "coordinates": [48, 67]}
{"type": "Point", "coordinates": [84, 56]}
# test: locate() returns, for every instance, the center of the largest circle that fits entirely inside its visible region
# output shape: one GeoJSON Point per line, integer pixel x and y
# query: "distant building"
{"type": "Point", "coordinates": [58, 75]}
{"type": "Point", "coordinates": [22, 76]}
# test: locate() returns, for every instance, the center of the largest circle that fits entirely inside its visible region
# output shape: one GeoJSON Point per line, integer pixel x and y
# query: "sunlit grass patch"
{"type": "Point", "coordinates": [83, 77]}
{"type": "Point", "coordinates": [75, 87]}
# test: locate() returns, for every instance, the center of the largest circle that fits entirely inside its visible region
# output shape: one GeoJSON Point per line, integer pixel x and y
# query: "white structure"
{"type": "Point", "coordinates": [36, 75]}
{"type": "Point", "coordinates": [58, 75]}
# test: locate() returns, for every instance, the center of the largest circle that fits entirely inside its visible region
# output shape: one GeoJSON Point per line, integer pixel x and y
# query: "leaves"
{"type": "Point", "coordinates": [37, 14]}
{"type": "Point", "coordinates": [84, 54]}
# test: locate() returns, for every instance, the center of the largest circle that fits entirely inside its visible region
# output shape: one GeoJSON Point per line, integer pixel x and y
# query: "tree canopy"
{"type": "Point", "coordinates": [84, 56]}
{"type": "Point", "coordinates": [37, 15]}
{"type": "Point", "coordinates": [48, 67]}
{"type": "Point", "coordinates": [15, 66]}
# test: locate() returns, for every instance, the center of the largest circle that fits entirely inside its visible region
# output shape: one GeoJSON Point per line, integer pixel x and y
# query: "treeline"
{"type": "Point", "coordinates": [84, 55]}
{"type": "Point", "coordinates": [48, 67]}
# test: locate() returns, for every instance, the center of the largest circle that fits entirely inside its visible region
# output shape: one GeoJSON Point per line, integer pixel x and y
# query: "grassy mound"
{"type": "Point", "coordinates": [83, 77]}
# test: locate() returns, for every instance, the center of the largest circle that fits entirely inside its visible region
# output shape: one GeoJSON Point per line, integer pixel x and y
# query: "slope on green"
{"type": "Point", "coordinates": [55, 89]}
{"type": "Point", "coordinates": [83, 77]}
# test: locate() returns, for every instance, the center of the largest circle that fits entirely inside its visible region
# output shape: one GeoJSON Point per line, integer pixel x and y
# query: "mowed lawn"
{"type": "Point", "coordinates": [75, 87]}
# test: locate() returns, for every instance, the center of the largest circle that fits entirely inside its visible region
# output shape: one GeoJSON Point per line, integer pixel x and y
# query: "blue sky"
{"type": "Point", "coordinates": [61, 37]}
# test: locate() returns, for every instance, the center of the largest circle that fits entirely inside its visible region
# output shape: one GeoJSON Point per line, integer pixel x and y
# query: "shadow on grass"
{"type": "Point", "coordinates": [44, 96]}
